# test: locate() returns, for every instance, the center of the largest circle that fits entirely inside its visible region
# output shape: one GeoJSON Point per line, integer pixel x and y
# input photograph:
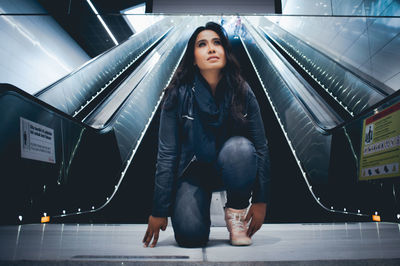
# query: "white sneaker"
{"type": "Point", "coordinates": [237, 227]}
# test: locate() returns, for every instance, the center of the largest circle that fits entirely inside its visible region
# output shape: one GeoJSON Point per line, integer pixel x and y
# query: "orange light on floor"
{"type": "Point", "coordinates": [45, 219]}
{"type": "Point", "coordinates": [376, 218]}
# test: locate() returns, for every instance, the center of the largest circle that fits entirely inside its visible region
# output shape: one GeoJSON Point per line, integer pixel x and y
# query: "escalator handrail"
{"type": "Point", "coordinates": [137, 79]}
{"type": "Point", "coordinates": [6, 88]}
{"type": "Point", "coordinates": [91, 61]}
{"type": "Point", "coordinates": [373, 86]}
{"type": "Point", "coordinates": [317, 123]}
{"type": "Point", "coordinates": [327, 58]}
{"type": "Point", "coordinates": [88, 69]}
{"type": "Point", "coordinates": [362, 113]}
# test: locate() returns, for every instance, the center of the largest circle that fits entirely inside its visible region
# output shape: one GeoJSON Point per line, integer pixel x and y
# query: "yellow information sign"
{"type": "Point", "coordinates": [380, 149]}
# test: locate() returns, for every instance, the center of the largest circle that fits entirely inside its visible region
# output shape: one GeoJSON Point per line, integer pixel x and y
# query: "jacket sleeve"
{"type": "Point", "coordinates": [166, 166]}
{"type": "Point", "coordinates": [256, 131]}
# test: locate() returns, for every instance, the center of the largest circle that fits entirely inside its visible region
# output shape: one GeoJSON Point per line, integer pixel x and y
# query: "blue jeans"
{"type": "Point", "coordinates": [235, 172]}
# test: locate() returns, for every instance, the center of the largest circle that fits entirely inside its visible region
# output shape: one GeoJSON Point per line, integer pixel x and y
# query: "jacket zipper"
{"type": "Point", "coordinates": [190, 117]}
{"type": "Point", "coordinates": [187, 166]}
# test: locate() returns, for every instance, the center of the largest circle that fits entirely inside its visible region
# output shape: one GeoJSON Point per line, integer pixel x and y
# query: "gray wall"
{"type": "Point", "coordinates": [214, 6]}
{"type": "Point", "coordinates": [34, 50]}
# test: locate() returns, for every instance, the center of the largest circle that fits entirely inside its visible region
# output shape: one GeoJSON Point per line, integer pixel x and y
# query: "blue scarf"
{"type": "Point", "coordinates": [211, 115]}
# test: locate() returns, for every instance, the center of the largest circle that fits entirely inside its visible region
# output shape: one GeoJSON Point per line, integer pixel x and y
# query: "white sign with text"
{"type": "Point", "coordinates": [37, 142]}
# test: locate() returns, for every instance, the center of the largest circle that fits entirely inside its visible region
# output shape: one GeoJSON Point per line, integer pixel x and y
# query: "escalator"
{"type": "Point", "coordinates": [82, 154]}
{"type": "Point", "coordinates": [325, 141]}
{"type": "Point", "coordinates": [296, 204]}
{"type": "Point", "coordinates": [108, 148]}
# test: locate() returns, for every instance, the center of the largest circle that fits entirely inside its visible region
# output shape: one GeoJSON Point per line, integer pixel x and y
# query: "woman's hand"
{"type": "Point", "coordinates": [153, 230]}
{"type": "Point", "coordinates": [257, 215]}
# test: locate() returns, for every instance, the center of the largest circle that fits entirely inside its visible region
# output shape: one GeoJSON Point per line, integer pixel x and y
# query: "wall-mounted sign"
{"type": "Point", "coordinates": [380, 148]}
{"type": "Point", "coordinates": [37, 141]}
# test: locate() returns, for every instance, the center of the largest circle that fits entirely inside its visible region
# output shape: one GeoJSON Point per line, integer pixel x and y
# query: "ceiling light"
{"type": "Point", "coordinates": [102, 22]}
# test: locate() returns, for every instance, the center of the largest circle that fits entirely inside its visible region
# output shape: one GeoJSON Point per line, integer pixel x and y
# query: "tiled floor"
{"type": "Point", "coordinates": [282, 244]}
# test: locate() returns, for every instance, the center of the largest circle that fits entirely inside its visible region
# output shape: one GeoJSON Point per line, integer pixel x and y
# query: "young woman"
{"type": "Point", "coordinates": [211, 138]}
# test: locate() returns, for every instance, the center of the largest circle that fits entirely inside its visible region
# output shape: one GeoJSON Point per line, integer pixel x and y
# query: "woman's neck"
{"type": "Point", "coordinates": [212, 77]}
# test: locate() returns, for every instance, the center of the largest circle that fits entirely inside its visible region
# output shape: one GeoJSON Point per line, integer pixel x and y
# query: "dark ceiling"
{"type": "Point", "coordinates": [78, 20]}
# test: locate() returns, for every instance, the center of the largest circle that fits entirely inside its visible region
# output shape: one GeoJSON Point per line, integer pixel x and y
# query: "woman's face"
{"type": "Point", "coordinates": [209, 54]}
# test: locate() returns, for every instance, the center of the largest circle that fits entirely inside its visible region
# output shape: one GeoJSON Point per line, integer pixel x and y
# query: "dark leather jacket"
{"type": "Point", "coordinates": [175, 149]}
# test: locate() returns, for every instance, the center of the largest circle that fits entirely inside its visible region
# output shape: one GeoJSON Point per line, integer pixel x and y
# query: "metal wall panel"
{"type": "Point", "coordinates": [386, 63]}
{"type": "Point", "coordinates": [394, 82]}
{"type": "Point", "coordinates": [35, 51]}
{"type": "Point", "coordinates": [340, 7]}
{"type": "Point", "coordinates": [302, 7]}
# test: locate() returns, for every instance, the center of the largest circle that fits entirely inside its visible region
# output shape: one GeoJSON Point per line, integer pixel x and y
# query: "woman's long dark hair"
{"type": "Point", "coordinates": [185, 73]}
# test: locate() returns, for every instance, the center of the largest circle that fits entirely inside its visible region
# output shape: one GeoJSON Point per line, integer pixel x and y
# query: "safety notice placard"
{"type": "Point", "coordinates": [380, 149]}
{"type": "Point", "coordinates": [37, 141]}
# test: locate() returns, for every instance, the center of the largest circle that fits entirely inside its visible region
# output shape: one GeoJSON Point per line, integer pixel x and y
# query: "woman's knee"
{"type": "Point", "coordinates": [190, 236]}
{"type": "Point", "coordinates": [190, 242]}
{"type": "Point", "coordinates": [191, 215]}
{"type": "Point", "coordinates": [237, 162]}
{"type": "Point", "coordinates": [236, 150]}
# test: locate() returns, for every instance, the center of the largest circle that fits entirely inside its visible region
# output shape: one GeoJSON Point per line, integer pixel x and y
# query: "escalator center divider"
{"type": "Point", "coordinates": [111, 87]}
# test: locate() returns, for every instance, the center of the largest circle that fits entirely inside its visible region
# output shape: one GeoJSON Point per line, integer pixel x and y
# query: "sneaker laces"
{"type": "Point", "coordinates": [237, 222]}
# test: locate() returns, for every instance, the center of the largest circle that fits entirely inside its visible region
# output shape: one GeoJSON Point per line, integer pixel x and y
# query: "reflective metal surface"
{"type": "Point", "coordinates": [75, 91]}
{"type": "Point", "coordinates": [328, 160]}
{"type": "Point", "coordinates": [132, 119]}
{"type": "Point", "coordinates": [366, 45]}
{"type": "Point", "coordinates": [340, 7]}
{"type": "Point", "coordinates": [108, 108]}
{"type": "Point", "coordinates": [352, 93]}
{"type": "Point", "coordinates": [35, 51]}
{"type": "Point", "coordinates": [310, 147]}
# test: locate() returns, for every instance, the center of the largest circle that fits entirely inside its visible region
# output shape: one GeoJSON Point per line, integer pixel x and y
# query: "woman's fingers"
{"type": "Point", "coordinates": [250, 231]}
{"type": "Point", "coordinates": [145, 235]}
{"type": "Point", "coordinates": [155, 239]}
{"type": "Point", "coordinates": [255, 229]}
{"type": "Point", "coordinates": [153, 230]}
{"type": "Point", "coordinates": [258, 216]}
{"type": "Point", "coordinates": [247, 219]}
{"type": "Point", "coordinates": [148, 238]}
{"type": "Point", "coordinates": [254, 226]}
{"type": "Point", "coordinates": [164, 226]}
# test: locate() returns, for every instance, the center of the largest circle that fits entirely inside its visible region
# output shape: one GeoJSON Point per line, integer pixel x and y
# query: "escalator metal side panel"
{"type": "Point", "coordinates": [49, 160]}
{"type": "Point", "coordinates": [99, 118]}
{"type": "Point", "coordinates": [336, 182]}
{"type": "Point", "coordinates": [132, 119]}
{"type": "Point", "coordinates": [351, 92]}
{"type": "Point", "coordinates": [309, 145]}
{"type": "Point", "coordinates": [72, 93]}
{"type": "Point", "coordinates": [105, 167]}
